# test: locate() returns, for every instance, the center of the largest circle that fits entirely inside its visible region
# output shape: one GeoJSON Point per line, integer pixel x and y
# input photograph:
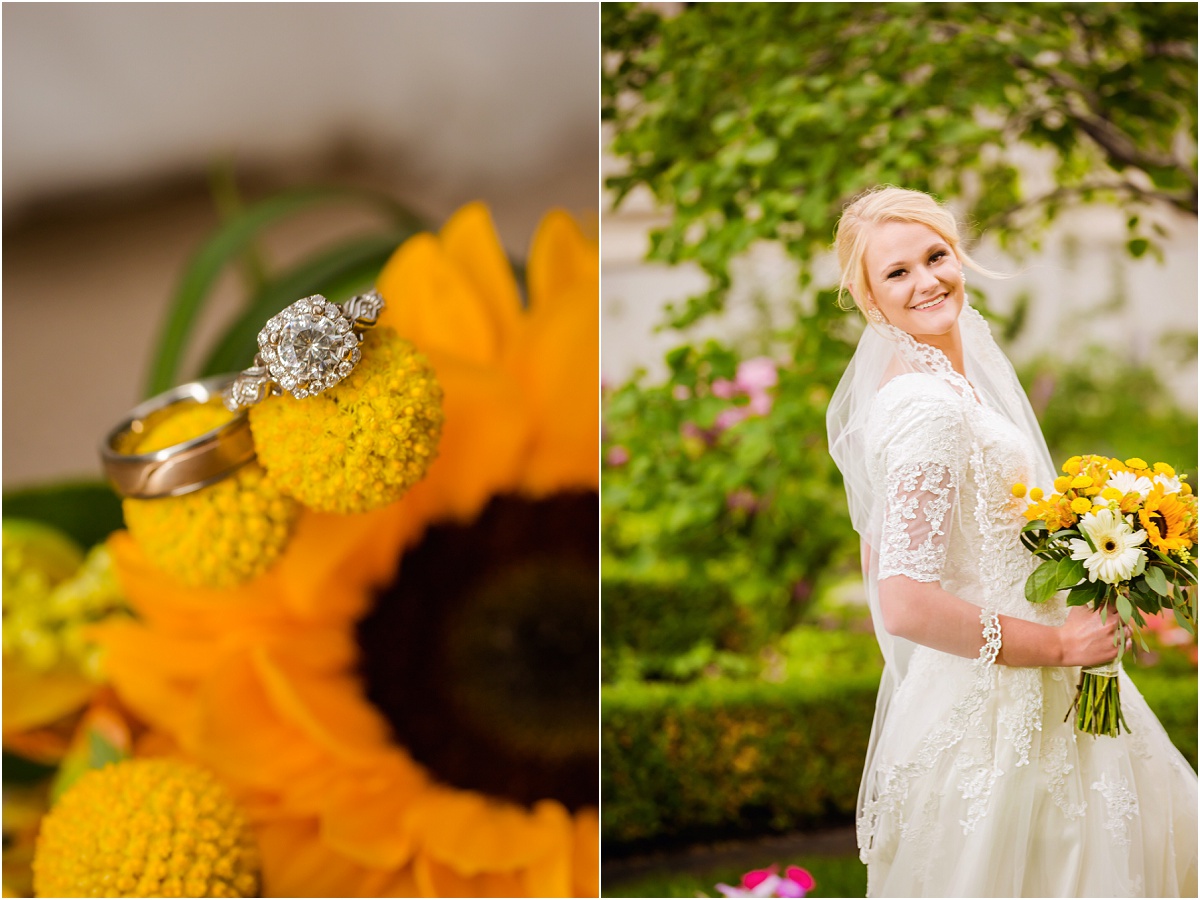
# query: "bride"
{"type": "Point", "coordinates": [974, 786]}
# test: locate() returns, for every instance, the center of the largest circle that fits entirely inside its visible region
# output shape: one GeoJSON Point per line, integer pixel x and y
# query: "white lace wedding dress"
{"type": "Point", "coordinates": [975, 786]}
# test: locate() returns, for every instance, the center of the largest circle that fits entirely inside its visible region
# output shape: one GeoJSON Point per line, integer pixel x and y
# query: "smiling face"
{"type": "Point", "coordinates": [915, 280]}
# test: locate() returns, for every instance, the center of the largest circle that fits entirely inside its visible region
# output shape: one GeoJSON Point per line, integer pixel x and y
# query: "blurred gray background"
{"type": "Point", "coordinates": [116, 116]}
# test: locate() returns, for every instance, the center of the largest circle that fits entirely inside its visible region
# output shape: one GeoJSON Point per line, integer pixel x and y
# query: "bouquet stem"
{"type": "Point", "coordinates": [1098, 700]}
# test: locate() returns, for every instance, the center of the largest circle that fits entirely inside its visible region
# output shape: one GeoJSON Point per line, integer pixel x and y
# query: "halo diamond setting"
{"type": "Point", "coordinates": [305, 349]}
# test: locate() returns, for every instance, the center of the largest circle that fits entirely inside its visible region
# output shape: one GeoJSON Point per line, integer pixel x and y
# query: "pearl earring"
{"type": "Point", "coordinates": [874, 314]}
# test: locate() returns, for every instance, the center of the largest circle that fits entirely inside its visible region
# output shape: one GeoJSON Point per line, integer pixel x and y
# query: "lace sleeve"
{"type": "Point", "coordinates": [921, 453]}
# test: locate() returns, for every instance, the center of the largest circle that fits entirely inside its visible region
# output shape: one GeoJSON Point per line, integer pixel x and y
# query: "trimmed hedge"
{"type": "Point", "coordinates": [657, 618]}
{"type": "Point", "coordinates": [717, 758]}
{"type": "Point", "coordinates": [713, 758]}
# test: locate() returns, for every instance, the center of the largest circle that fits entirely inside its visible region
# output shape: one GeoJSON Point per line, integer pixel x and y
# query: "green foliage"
{"type": "Point", "coordinates": [723, 757]}
{"type": "Point", "coordinates": [760, 121]}
{"type": "Point", "coordinates": [658, 624]}
{"type": "Point", "coordinates": [756, 506]}
{"type": "Point", "coordinates": [87, 511]}
{"type": "Point", "coordinates": [1101, 402]}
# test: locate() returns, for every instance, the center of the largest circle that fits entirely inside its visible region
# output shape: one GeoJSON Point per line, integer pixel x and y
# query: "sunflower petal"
{"type": "Point", "coordinates": [475, 834]}
{"type": "Point", "coordinates": [557, 362]}
{"type": "Point", "coordinates": [432, 304]}
{"type": "Point", "coordinates": [297, 863]}
{"type": "Point", "coordinates": [561, 260]}
{"type": "Point", "coordinates": [586, 858]}
{"type": "Point", "coordinates": [470, 240]}
{"type": "Point", "coordinates": [437, 879]}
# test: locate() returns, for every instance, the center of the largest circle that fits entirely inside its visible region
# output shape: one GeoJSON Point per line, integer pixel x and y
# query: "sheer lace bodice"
{"type": "Point", "coordinates": [949, 464]}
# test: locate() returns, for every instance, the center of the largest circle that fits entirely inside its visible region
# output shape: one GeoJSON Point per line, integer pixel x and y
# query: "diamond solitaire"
{"type": "Point", "coordinates": [307, 348]}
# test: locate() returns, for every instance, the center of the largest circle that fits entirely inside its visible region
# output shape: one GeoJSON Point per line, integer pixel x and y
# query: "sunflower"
{"type": "Point", "coordinates": [406, 703]}
{"type": "Point", "coordinates": [1164, 518]}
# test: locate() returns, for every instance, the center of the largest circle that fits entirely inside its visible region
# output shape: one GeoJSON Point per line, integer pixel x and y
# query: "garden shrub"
{"type": "Point", "coordinates": [662, 624]}
{"type": "Point", "coordinates": [721, 757]}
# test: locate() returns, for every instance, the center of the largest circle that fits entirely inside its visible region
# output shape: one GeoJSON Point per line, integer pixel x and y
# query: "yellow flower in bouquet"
{"type": "Point", "coordinates": [1087, 536]}
{"type": "Point", "coordinates": [405, 703]}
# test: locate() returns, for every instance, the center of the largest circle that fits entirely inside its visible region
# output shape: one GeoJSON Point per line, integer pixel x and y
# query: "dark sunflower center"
{"type": "Point", "coordinates": [1110, 545]}
{"type": "Point", "coordinates": [1159, 522]}
{"type": "Point", "coordinates": [484, 653]}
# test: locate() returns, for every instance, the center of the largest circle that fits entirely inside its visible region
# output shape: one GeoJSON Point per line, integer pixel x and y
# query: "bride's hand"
{"type": "Point", "coordinates": [1086, 641]}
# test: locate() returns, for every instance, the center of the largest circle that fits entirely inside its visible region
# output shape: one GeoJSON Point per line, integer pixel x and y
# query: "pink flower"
{"type": "Point", "coordinates": [681, 392]}
{"type": "Point", "coordinates": [801, 877]}
{"type": "Point", "coordinates": [617, 455]}
{"type": "Point", "coordinates": [757, 374]}
{"type": "Point", "coordinates": [760, 404]}
{"type": "Point", "coordinates": [741, 499]}
{"type": "Point", "coordinates": [796, 882]}
{"type": "Point", "coordinates": [724, 388]}
{"type": "Point", "coordinates": [727, 418]}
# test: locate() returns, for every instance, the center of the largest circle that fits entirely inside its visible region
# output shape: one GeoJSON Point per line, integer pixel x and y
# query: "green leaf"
{"type": "Point", "coordinates": [1184, 621]}
{"type": "Point", "coordinates": [1042, 583]}
{"type": "Point", "coordinates": [1157, 581]}
{"type": "Point", "coordinates": [1124, 608]}
{"type": "Point", "coordinates": [1138, 247]}
{"type": "Point", "coordinates": [354, 262]}
{"type": "Point", "coordinates": [88, 511]}
{"type": "Point", "coordinates": [1069, 572]}
{"type": "Point", "coordinates": [1086, 593]}
{"type": "Point", "coordinates": [226, 245]}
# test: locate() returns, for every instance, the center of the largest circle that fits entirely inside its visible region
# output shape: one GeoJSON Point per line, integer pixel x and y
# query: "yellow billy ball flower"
{"type": "Point", "coordinates": [1185, 488]}
{"type": "Point", "coordinates": [1080, 505]}
{"type": "Point", "coordinates": [146, 828]}
{"type": "Point", "coordinates": [1073, 465]}
{"type": "Point", "coordinates": [1110, 493]}
{"type": "Point", "coordinates": [1036, 494]}
{"type": "Point", "coordinates": [221, 535]}
{"type": "Point", "coordinates": [1136, 462]}
{"type": "Point", "coordinates": [364, 442]}
{"type": "Point", "coordinates": [1162, 468]}
{"type": "Point", "coordinates": [1018, 490]}
{"type": "Point", "coordinates": [1081, 481]}
{"type": "Point", "coordinates": [1062, 483]}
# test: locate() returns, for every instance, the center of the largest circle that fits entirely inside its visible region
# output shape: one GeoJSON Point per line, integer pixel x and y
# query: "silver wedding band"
{"type": "Point", "coordinates": [183, 467]}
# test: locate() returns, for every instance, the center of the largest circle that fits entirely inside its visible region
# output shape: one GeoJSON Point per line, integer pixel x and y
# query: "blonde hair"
{"type": "Point", "coordinates": [888, 204]}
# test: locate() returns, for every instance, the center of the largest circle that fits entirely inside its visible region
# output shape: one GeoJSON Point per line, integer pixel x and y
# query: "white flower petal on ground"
{"type": "Point", "coordinates": [1117, 556]}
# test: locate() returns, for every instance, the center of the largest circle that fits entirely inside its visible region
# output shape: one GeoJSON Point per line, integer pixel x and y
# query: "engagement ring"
{"type": "Point", "coordinates": [306, 349]}
{"type": "Point", "coordinates": [180, 468]}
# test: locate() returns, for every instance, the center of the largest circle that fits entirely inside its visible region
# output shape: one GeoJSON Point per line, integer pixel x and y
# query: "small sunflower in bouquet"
{"type": "Point", "coordinates": [1119, 536]}
{"type": "Point", "coordinates": [360, 650]}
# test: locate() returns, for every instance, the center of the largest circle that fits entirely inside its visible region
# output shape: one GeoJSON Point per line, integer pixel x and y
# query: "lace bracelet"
{"type": "Point", "coordinates": [991, 637]}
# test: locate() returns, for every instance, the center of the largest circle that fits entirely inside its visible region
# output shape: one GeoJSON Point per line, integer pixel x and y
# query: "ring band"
{"type": "Point", "coordinates": [307, 348]}
{"type": "Point", "coordinates": [183, 467]}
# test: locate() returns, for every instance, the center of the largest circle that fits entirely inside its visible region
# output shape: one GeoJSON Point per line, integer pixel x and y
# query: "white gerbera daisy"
{"type": "Point", "coordinates": [1117, 556]}
{"type": "Point", "coordinates": [1128, 482]}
